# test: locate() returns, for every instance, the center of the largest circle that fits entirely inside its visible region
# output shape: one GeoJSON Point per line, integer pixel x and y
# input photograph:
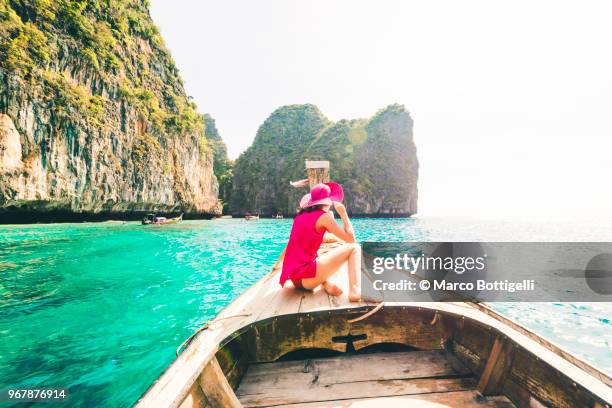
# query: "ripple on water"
{"type": "Point", "coordinates": [102, 307]}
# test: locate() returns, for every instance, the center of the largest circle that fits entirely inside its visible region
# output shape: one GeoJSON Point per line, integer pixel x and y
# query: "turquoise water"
{"type": "Point", "coordinates": [100, 308]}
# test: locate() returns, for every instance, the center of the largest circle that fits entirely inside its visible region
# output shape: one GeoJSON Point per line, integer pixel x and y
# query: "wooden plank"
{"type": "Point", "coordinates": [406, 325]}
{"type": "Point", "coordinates": [322, 330]}
{"type": "Point", "coordinates": [313, 301]}
{"type": "Point", "coordinates": [472, 343]}
{"type": "Point", "coordinates": [216, 388]}
{"type": "Point", "coordinates": [317, 164]}
{"type": "Point", "coordinates": [287, 301]}
{"type": "Point", "coordinates": [288, 375]}
{"type": "Point", "coordinates": [549, 386]}
{"type": "Point", "coordinates": [195, 399]}
{"type": "Point", "coordinates": [497, 367]}
{"type": "Point", "coordinates": [364, 389]}
{"type": "Point", "coordinates": [575, 360]}
{"type": "Point", "coordinates": [467, 399]}
{"type": "Point", "coordinates": [233, 359]}
{"type": "Point", "coordinates": [520, 396]}
{"type": "Point", "coordinates": [547, 353]}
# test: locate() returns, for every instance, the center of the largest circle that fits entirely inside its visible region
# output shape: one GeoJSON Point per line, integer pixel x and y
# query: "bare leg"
{"type": "Point", "coordinates": [330, 262]}
{"type": "Point", "coordinates": [354, 274]}
{"type": "Point", "coordinates": [331, 288]}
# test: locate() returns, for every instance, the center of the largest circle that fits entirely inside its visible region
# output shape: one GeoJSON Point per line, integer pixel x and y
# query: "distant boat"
{"type": "Point", "coordinates": [250, 217]}
{"type": "Point", "coordinates": [152, 219]}
{"type": "Point", "coordinates": [278, 216]}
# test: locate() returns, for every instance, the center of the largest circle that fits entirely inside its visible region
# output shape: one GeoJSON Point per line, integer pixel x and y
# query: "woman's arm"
{"type": "Point", "coordinates": [348, 227]}
{"type": "Point", "coordinates": [327, 221]}
{"type": "Point", "coordinates": [329, 238]}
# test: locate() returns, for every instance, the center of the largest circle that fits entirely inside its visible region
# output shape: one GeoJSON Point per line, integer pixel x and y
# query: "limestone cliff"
{"type": "Point", "coordinates": [94, 119]}
{"type": "Point", "coordinates": [374, 159]}
{"type": "Point", "coordinates": [223, 166]}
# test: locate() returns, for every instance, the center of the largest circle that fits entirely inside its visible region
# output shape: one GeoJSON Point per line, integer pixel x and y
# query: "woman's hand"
{"type": "Point", "coordinates": [348, 228]}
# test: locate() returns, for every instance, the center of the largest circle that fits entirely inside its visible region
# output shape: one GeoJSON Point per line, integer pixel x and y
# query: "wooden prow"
{"type": "Point", "coordinates": [459, 354]}
{"type": "Point", "coordinates": [318, 172]}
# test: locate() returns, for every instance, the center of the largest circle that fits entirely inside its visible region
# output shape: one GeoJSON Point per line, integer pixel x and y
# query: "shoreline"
{"type": "Point", "coordinates": [376, 215]}
{"type": "Point", "coordinates": [62, 217]}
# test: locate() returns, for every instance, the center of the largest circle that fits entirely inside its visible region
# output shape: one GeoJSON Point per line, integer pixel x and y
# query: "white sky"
{"type": "Point", "coordinates": [512, 101]}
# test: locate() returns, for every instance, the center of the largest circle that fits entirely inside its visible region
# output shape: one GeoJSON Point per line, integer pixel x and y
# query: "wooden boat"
{"type": "Point", "coordinates": [293, 348]}
{"type": "Point", "coordinates": [152, 219]}
{"type": "Point", "coordinates": [250, 217]}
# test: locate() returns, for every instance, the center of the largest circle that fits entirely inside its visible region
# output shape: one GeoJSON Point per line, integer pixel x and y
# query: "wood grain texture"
{"type": "Point", "coordinates": [352, 376]}
{"type": "Point", "coordinates": [497, 367]}
{"type": "Point", "coordinates": [331, 370]}
{"type": "Point", "coordinates": [216, 388]}
{"type": "Point", "coordinates": [272, 322]}
{"type": "Point", "coordinates": [457, 399]}
{"type": "Point", "coordinates": [315, 301]}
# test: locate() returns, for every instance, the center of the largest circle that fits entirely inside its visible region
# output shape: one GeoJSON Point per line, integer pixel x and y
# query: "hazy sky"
{"type": "Point", "coordinates": [512, 101]}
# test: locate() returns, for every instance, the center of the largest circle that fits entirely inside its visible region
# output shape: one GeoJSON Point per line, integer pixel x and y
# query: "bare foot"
{"type": "Point", "coordinates": [331, 289]}
{"type": "Point", "coordinates": [355, 294]}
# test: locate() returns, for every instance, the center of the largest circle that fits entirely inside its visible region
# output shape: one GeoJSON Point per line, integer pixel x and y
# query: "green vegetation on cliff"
{"type": "Point", "coordinates": [36, 34]}
{"type": "Point", "coordinates": [262, 173]}
{"type": "Point", "coordinates": [222, 165]}
{"type": "Point", "coordinates": [374, 159]}
{"type": "Point", "coordinates": [95, 76]}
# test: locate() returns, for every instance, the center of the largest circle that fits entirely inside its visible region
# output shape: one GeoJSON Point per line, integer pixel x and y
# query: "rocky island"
{"type": "Point", "coordinates": [374, 159]}
{"type": "Point", "coordinates": [95, 124]}
{"type": "Point", "coordinates": [94, 119]}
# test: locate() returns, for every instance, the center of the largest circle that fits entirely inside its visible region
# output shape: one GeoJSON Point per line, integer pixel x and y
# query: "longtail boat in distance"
{"type": "Point", "coordinates": [152, 219]}
{"type": "Point", "coordinates": [251, 217]}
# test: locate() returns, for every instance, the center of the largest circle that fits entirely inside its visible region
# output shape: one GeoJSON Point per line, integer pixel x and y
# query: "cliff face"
{"type": "Point", "coordinates": [93, 114]}
{"type": "Point", "coordinates": [263, 171]}
{"type": "Point", "coordinates": [374, 159]}
{"type": "Point", "coordinates": [223, 167]}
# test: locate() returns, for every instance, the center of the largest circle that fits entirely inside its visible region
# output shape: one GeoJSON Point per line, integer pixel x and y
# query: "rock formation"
{"type": "Point", "coordinates": [374, 159]}
{"type": "Point", "coordinates": [223, 167]}
{"type": "Point", "coordinates": [94, 119]}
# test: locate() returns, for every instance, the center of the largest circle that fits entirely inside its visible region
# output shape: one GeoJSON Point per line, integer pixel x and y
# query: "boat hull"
{"type": "Point", "coordinates": [497, 363]}
{"type": "Point", "coordinates": [507, 364]}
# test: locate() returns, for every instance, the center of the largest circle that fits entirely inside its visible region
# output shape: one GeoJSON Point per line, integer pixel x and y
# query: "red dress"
{"type": "Point", "coordinates": [301, 255]}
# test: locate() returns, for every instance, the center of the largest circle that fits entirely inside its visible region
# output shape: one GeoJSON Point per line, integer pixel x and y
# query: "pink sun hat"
{"type": "Point", "coordinates": [322, 194]}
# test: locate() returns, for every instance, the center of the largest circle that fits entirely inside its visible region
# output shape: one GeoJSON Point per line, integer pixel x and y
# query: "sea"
{"type": "Point", "coordinates": [100, 308]}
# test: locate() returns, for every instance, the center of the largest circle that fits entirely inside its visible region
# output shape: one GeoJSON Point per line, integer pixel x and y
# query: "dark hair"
{"type": "Point", "coordinates": [311, 208]}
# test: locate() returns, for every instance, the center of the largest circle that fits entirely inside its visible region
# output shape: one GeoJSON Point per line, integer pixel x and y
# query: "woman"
{"type": "Point", "coordinates": [301, 264]}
